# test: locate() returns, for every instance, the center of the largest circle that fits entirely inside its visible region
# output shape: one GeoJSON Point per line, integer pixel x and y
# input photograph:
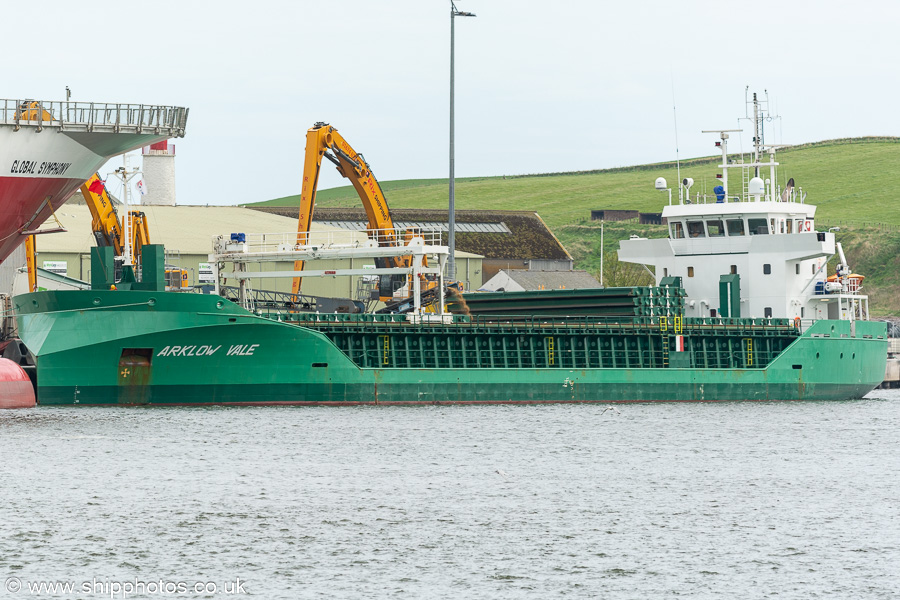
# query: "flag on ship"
{"type": "Point", "coordinates": [96, 187]}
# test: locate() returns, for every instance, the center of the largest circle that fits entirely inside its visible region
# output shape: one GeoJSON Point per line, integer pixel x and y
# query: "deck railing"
{"type": "Point", "coordinates": [335, 238]}
{"type": "Point", "coordinates": [95, 116]}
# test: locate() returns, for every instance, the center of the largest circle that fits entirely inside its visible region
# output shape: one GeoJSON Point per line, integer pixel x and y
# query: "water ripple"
{"type": "Point", "coordinates": [794, 500]}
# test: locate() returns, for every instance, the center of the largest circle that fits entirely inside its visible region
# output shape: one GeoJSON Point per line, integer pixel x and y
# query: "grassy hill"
{"type": "Point", "coordinates": [855, 183]}
{"type": "Point", "coordinates": [852, 180]}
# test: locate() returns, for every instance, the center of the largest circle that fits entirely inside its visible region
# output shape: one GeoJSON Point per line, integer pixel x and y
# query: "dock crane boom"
{"type": "Point", "coordinates": [323, 140]}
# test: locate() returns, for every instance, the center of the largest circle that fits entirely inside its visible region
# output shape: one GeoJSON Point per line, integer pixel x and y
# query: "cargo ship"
{"type": "Point", "coordinates": [146, 346]}
{"type": "Point", "coordinates": [49, 149]}
{"type": "Point", "coordinates": [742, 310]}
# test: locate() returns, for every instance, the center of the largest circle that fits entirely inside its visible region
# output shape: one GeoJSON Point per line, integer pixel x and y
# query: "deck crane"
{"type": "Point", "coordinates": [105, 225]}
{"type": "Point", "coordinates": [109, 231]}
{"type": "Point", "coordinates": [323, 140]}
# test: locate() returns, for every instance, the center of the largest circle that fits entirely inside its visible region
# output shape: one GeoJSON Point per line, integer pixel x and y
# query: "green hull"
{"type": "Point", "coordinates": [156, 348]}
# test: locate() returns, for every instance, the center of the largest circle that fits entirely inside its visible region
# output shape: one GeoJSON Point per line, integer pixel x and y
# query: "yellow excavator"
{"type": "Point", "coordinates": [324, 141]}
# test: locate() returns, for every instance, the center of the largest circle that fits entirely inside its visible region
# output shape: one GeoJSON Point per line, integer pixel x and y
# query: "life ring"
{"type": "Point", "coordinates": [797, 322]}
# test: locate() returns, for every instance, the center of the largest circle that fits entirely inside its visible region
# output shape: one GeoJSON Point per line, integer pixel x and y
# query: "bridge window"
{"type": "Point", "coordinates": [735, 226]}
{"type": "Point", "coordinates": [677, 230]}
{"type": "Point", "coordinates": [758, 226]}
{"type": "Point", "coordinates": [715, 228]}
{"type": "Point", "coordinates": [695, 229]}
{"type": "Point", "coordinates": [767, 269]}
{"type": "Point", "coordinates": [789, 226]}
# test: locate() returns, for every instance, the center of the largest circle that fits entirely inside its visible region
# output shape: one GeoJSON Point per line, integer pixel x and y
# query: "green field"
{"type": "Point", "coordinates": [855, 183]}
{"type": "Point", "coordinates": [855, 180]}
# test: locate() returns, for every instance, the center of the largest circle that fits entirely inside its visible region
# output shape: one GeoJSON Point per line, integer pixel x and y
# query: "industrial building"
{"type": "Point", "coordinates": [532, 281]}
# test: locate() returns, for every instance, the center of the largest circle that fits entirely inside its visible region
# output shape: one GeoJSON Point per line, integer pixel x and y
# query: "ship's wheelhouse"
{"type": "Point", "coordinates": [739, 225]}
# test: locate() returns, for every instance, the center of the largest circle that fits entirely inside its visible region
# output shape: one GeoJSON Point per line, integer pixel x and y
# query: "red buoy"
{"type": "Point", "coordinates": [16, 390]}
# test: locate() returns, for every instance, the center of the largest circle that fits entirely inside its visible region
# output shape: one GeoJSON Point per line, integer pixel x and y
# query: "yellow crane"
{"type": "Point", "coordinates": [324, 141]}
{"type": "Point", "coordinates": [105, 224]}
{"type": "Point", "coordinates": [109, 231]}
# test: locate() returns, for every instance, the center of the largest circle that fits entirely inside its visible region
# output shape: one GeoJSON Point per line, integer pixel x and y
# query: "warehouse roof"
{"type": "Point", "coordinates": [185, 229]}
{"type": "Point", "coordinates": [520, 280]}
{"type": "Point", "coordinates": [500, 234]}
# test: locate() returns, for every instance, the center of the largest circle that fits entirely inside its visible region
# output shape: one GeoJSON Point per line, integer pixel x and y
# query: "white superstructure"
{"type": "Point", "coordinates": [764, 234]}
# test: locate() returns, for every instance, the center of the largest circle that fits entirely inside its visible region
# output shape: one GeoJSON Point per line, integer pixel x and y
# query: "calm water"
{"type": "Point", "coordinates": [697, 500]}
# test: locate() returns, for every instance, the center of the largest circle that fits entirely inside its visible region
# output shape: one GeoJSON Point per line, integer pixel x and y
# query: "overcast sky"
{"type": "Point", "coordinates": [540, 86]}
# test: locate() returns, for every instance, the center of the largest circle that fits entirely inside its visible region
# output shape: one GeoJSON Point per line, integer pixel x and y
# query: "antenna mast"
{"type": "Point", "coordinates": [126, 176]}
{"type": "Point", "coordinates": [677, 160]}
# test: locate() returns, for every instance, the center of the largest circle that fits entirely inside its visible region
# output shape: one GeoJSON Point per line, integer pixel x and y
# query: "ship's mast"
{"type": "Point", "coordinates": [756, 136]}
{"type": "Point", "coordinates": [126, 176]}
{"type": "Point", "coordinates": [723, 144]}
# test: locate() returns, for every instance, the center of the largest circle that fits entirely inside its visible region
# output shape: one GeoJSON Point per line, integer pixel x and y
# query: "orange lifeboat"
{"type": "Point", "coordinates": [16, 390]}
{"type": "Point", "coordinates": [854, 281]}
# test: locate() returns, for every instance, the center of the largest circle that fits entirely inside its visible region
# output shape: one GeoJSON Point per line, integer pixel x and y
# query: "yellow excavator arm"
{"type": "Point", "coordinates": [324, 141]}
{"type": "Point", "coordinates": [140, 227]}
{"type": "Point", "coordinates": [105, 222]}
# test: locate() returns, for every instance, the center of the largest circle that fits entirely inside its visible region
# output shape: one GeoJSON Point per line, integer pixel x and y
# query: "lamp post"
{"type": "Point", "coordinates": [451, 236]}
